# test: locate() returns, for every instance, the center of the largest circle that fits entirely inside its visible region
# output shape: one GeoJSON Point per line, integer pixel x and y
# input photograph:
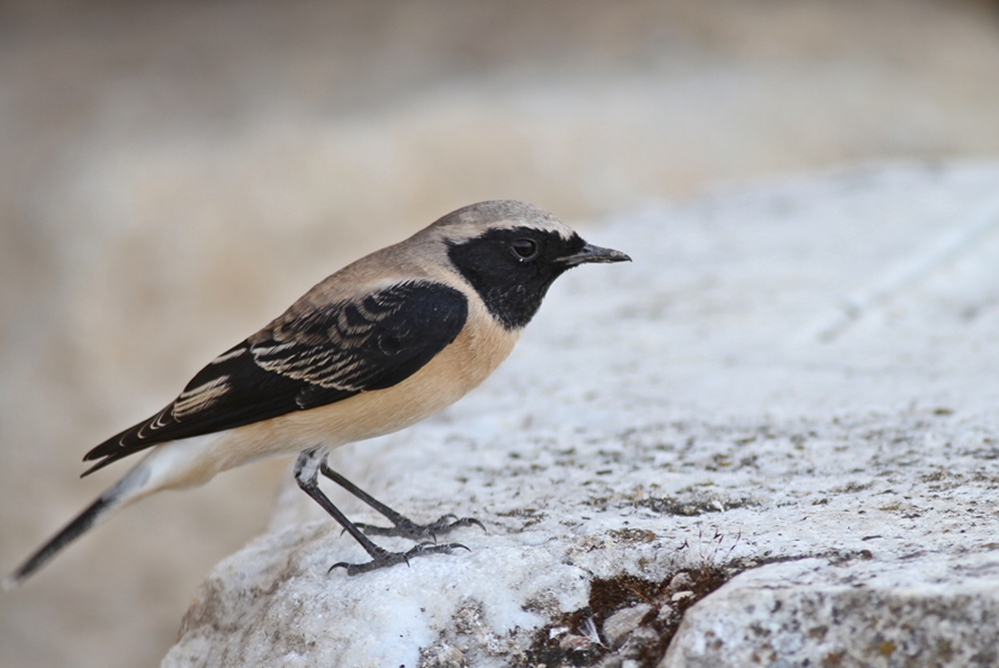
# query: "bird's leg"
{"type": "Point", "coordinates": [401, 525]}
{"type": "Point", "coordinates": [306, 474]}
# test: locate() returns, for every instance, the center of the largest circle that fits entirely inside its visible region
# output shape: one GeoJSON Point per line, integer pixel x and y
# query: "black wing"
{"type": "Point", "coordinates": [303, 362]}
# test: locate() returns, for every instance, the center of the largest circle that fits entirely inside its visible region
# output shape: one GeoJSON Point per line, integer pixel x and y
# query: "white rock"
{"type": "Point", "coordinates": [933, 610]}
{"type": "Point", "coordinates": [804, 373]}
{"type": "Point", "coordinates": [681, 582]}
{"type": "Point", "coordinates": [624, 621]}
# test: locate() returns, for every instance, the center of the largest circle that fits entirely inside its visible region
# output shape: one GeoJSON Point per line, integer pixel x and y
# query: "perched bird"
{"type": "Point", "coordinates": [381, 344]}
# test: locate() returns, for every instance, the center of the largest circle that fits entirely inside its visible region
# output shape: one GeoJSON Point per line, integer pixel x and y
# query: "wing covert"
{"type": "Point", "coordinates": [301, 362]}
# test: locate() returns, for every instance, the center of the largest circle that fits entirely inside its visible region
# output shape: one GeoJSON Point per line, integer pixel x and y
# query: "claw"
{"type": "Point", "coordinates": [392, 558]}
{"type": "Point", "coordinates": [412, 530]}
{"type": "Point", "coordinates": [467, 521]}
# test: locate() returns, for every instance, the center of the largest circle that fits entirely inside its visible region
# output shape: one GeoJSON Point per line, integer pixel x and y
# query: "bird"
{"type": "Point", "coordinates": [377, 346]}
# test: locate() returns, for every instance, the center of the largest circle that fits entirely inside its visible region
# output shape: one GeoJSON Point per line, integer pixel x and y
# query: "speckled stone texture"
{"type": "Point", "coordinates": [928, 610]}
{"type": "Point", "coordinates": [789, 399]}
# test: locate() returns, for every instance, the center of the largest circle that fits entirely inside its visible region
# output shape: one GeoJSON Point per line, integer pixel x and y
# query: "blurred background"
{"type": "Point", "coordinates": [173, 174]}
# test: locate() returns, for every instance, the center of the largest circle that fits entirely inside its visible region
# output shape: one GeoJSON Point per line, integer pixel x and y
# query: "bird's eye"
{"type": "Point", "coordinates": [525, 248]}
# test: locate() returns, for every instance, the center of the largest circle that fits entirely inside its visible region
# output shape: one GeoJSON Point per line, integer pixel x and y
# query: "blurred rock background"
{"type": "Point", "coordinates": [173, 174]}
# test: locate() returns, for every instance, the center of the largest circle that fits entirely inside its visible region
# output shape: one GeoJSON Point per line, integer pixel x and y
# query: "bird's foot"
{"type": "Point", "coordinates": [384, 558]}
{"type": "Point", "coordinates": [409, 529]}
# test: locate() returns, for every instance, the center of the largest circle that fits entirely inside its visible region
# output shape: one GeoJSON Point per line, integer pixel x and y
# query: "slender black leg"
{"type": "Point", "coordinates": [401, 525]}
{"type": "Point", "coordinates": [307, 472]}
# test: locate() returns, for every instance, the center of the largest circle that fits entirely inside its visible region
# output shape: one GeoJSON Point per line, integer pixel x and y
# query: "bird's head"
{"type": "Point", "coordinates": [511, 252]}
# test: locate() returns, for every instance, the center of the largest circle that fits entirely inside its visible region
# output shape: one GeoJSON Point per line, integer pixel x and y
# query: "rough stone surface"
{"type": "Point", "coordinates": [796, 383]}
{"type": "Point", "coordinates": [619, 625]}
{"type": "Point", "coordinates": [929, 610]}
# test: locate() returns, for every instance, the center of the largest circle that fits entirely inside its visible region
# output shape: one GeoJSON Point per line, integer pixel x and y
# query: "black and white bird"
{"type": "Point", "coordinates": [381, 344]}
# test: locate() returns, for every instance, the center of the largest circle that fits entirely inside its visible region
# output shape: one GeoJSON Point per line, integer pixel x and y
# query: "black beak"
{"type": "Point", "coordinates": [591, 253]}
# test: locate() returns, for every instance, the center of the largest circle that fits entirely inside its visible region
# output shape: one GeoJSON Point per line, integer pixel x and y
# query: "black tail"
{"type": "Point", "coordinates": [84, 521]}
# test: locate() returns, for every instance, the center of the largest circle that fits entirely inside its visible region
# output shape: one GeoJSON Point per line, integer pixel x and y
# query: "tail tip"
{"type": "Point", "coordinates": [12, 582]}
